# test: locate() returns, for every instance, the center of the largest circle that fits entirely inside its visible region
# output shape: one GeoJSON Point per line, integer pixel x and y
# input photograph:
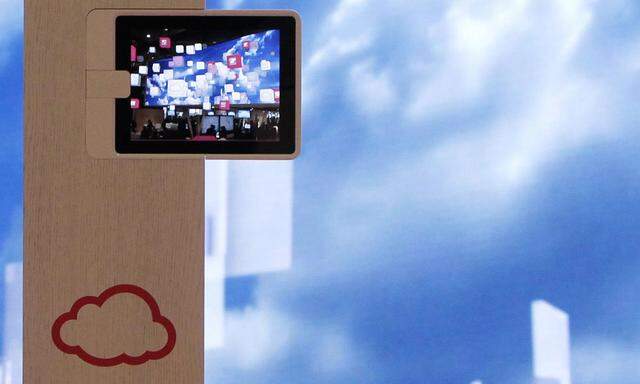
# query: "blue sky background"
{"type": "Point", "coordinates": [460, 159]}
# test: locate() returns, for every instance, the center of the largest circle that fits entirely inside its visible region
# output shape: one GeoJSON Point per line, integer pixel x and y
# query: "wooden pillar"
{"type": "Point", "coordinates": [93, 224]}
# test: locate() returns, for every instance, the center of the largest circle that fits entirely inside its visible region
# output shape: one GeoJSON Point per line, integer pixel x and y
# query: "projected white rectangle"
{"type": "Point", "coordinates": [248, 229]}
{"type": "Point", "coordinates": [551, 344]}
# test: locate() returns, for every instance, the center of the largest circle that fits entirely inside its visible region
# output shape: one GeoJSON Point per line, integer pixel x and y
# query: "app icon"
{"type": "Point", "coordinates": [135, 80]}
{"type": "Point", "coordinates": [165, 42]}
{"type": "Point", "coordinates": [267, 96]}
{"type": "Point", "coordinates": [234, 61]}
{"type": "Point", "coordinates": [178, 61]}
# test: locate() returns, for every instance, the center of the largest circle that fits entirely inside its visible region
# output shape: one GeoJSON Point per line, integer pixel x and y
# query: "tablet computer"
{"type": "Point", "coordinates": [209, 84]}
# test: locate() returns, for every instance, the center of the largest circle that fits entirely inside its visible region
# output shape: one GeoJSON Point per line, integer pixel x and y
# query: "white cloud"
{"type": "Point", "coordinates": [332, 352]}
{"type": "Point", "coordinates": [373, 89]}
{"type": "Point", "coordinates": [11, 245]}
{"type": "Point", "coordinates": [261, 336]}
{"type": "Point", "coordinates": [257, 335]}
{"type": "Point", "coordinates": [339, 42]}
{"type": "Point", "coordinates": [487, 96]}
{"type": "Point", "coordinates": [484, 103]}
{"type": "Point", "coordinates": [601, 361]}
{"type": "Point", "coordinates": [509, 41]}
{"type": "Point", "coordinates": [344, 11]}
{"type": "Point", "coordinates": [492, 160]}
{"type": "Point", "coordinates": [11, 24]}
{"type": "Point", "coordinates": [13, 14]}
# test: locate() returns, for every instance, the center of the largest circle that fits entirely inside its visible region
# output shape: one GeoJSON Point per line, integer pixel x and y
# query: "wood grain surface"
{"type": "Point", "coordinates": [91, 224]}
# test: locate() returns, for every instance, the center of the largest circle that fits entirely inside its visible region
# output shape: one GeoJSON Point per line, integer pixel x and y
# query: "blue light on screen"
{"type": "Point", "coordinates": [254, 82]}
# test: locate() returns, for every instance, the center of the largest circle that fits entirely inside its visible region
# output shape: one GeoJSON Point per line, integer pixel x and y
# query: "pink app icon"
{"type": "Point", "coordinates": [135, 103]}
{"type": "Point", "coordinates": [134, 53]}
{"type": "Point", "coordinates": [178, 61]}
{"type": "Point", "coordinates": [211, 67]}
{"type": "Point", "coordinates": [225, 105]}
{"type": "Point", "coordinates": [165, 42]}
{"type": "Point", "coordinates": [234, 61]}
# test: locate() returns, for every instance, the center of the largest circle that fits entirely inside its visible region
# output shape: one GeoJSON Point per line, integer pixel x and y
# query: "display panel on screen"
{"type": "Point", "coordinates": [208, 84]}
{"type": "Point", "coordinates": [205, 89]}
{"type": "Point", "coordinates": [240, 71]}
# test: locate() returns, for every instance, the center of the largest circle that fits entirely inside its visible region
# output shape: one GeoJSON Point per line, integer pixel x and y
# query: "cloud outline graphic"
{"type": "Point", "coordinates": [123, 358]}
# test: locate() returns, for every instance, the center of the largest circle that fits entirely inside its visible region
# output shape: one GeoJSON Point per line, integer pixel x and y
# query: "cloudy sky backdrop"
{"type": "Point", "coordinates": [461, 158]}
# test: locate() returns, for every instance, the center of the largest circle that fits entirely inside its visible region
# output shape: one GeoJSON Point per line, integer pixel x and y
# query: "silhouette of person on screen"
{"type": "Point", "coordinates": [182, 125]}
{"type": "Point", "coordinates": [147, 131]}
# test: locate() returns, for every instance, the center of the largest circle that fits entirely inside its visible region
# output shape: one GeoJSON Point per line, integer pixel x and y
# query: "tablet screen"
{"type": "Point", "coordinates": [207, 84]}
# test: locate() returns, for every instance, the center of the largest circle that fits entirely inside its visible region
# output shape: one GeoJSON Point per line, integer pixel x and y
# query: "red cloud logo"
{"type": "Point", "coordinates": [95, 317]}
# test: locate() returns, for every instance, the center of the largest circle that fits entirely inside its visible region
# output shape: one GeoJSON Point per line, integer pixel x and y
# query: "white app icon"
{"type": "Point", "coordinates": [177, 88]}
{"type": "Point", "coordinates": [135, 79]}
{"type": "Point", "coordinates": [267, 96]}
